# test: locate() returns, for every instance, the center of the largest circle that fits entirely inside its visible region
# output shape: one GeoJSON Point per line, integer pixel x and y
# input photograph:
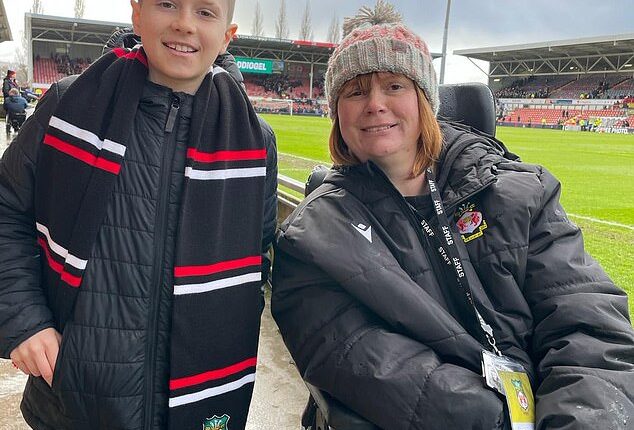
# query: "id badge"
{"type": "Point", "coordinates": [508, 378]}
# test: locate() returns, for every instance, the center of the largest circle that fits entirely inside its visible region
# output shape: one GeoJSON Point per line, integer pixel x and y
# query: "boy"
{"type": "Point", "coordinates": [134, 208]}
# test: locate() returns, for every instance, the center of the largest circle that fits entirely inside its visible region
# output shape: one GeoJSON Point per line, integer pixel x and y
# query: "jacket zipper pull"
{"type": "Point", "coordinates": [171, 117]}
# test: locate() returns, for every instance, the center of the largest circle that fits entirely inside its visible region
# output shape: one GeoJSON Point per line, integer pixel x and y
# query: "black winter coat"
{"type": "Point", "coordinates": [7, 85]}
{"type": "Point", "coordinates": [369, 319]}
{"type": "Point", "coordinates": [113, 368]}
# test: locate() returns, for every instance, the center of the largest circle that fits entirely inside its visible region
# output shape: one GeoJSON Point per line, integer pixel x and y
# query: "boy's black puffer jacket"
{"type": "Point", "coordinates": [112, 370]}
{"type": "Point", "coordinates": [367, 319]}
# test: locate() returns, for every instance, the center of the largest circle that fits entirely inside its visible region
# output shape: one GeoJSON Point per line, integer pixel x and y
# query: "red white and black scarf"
{"type": "Point", "coordinates": [216, 307]}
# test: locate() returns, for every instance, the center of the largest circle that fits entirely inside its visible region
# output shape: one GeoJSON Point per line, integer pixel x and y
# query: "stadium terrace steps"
{"type": "Point", "coordinates": [553, 115]}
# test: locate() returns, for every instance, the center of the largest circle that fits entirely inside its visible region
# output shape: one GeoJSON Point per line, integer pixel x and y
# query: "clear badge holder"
{"type": "Point", "coordinates": [509, 378]}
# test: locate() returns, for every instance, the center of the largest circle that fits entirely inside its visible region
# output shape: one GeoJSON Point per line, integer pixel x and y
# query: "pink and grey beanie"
{"type": "Point", "coordinates": [381, 48]}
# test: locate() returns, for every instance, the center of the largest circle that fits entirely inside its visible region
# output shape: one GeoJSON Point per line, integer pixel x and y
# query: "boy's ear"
{"type": "Point", "coordinates": [136, 15]}
{"type": "Point", "coordinates": [229, 32]}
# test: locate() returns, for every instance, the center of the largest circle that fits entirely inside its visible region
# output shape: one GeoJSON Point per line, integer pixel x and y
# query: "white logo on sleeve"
{"type": "Point", "coordinates": [366, 231]}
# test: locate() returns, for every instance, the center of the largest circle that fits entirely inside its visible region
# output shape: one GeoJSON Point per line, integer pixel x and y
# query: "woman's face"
{"type": "Point", "coordinates": [380, 123]}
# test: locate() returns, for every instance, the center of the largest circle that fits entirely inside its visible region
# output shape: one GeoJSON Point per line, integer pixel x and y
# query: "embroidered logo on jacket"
{"type": "Point", "coordinates": [366, 231]}
{"type": "Point", "coordinates": [216, 423]}
{"type": "Point", "coordinates": [470, 222]}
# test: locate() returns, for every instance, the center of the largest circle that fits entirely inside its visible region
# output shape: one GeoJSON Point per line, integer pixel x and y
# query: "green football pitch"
{"type": "Point", "coordinates": [596, 172]}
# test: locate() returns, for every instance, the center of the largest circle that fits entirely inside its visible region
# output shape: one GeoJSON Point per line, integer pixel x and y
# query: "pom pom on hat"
{"type": "Point", "coordinates": [376, 41]}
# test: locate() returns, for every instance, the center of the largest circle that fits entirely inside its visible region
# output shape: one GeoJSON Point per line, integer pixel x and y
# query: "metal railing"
{"type": "Point", "coordinates": [287, 202]}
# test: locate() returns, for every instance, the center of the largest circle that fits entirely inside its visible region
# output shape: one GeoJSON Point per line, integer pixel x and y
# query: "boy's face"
{"type": "Point", "coordinates": [182, 39]}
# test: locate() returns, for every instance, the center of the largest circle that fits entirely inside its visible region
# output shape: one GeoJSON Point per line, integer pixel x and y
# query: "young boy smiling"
{"type": "Point", "coordinates": [130, 272]}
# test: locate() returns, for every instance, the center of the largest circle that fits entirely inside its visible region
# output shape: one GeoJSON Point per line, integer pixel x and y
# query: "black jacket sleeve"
{"type": "Point", "coordinates": [6, 86]}
{"type": "Point", "coordinates": [342, 347]}
{"type": "Point", "coordinates": [270, 198]}
{"type": "Point", "coordinates": [23, 306]}
{"type": "Point", "coordinates": [583, 341]}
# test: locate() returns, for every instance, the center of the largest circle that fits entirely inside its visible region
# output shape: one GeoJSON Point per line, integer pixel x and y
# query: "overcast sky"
{"type": "Point", "coordinates": [473, 23]}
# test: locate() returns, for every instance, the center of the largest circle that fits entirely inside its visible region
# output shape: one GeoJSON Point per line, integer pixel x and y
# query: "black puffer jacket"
{"type": "Point", "coordinates": [368, 320]}
{"type": "Point", "coordinates": [112, 370]}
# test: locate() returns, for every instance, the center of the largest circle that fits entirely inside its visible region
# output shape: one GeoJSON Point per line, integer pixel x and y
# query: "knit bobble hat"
{"type": "Point", "coordinates": [381, 48]}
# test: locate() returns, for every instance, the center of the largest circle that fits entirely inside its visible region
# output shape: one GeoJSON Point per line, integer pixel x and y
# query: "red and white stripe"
{"type": "Point", "coordinates": [211, 392]}
{"type": "Point", "coordinates": [205, 270]}
{"type": "Point", "coordinates": [206, 287]}
{"type": "Point", "coordinates": [87, 136]}
{"type": "Point", "coordinates": [214, 157]}
{"type": "Point", "coordinates": [81, 154]}
{"type": "Point", "coordinates": [216, 175]}
{"type": "Point", "coordinates": [212, 375]}
{"type": "Point", "coordinates": [59, 250]}
{"type": "Point", "coordinates": [131, 55]}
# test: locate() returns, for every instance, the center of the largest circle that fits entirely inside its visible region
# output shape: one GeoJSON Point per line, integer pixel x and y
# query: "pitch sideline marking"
{"type": "Point", "coordinates": [600, 221]}
{"type": "Point", "coordinates": [302, 158]}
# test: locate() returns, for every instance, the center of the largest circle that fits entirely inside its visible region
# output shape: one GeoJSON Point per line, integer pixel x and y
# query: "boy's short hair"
{"type": "Point", "coordinates": [14, 92]}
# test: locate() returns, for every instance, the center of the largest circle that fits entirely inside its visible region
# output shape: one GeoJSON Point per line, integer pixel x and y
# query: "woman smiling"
{"type": "Point", "coordinates": [433, 281]}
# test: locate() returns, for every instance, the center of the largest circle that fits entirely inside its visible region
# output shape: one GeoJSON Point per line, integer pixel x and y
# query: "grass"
{"type": "Point", "coordinates": [596, 172]}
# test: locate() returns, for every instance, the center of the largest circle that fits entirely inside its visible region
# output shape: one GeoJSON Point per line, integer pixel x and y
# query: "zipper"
{"type": "Point", "coordinates": [162, 211]}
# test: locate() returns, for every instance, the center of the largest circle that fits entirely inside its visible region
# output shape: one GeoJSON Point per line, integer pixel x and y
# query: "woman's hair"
{"type": "Point", "coordinates": [429, 141]}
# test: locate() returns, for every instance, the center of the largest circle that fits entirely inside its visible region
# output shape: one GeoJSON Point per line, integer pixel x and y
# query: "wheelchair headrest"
{"type": "Point", "coordinates": [470, 104]}
{"type": "Point", "coordinates": [315, 178]}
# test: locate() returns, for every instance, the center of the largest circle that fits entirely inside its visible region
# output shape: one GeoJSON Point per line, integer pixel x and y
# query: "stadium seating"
{"type": "Point", "coordinates": [552, 116]}
{"type": "Point", "coordinates": [589, 86]}
{"type": "Point", "coordinates": [593, 86]}
{"type": "Point", "coordinates": [45, 71]}
{"type": "Point", "coordinates": [622, 89]}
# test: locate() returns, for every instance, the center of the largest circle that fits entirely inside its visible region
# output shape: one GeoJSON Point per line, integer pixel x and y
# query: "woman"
{"type": "Point", "coordinates": [429, 254]}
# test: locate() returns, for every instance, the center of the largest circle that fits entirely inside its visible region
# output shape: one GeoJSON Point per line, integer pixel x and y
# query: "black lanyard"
{"type": "Point", "coordinates": [448, 251]}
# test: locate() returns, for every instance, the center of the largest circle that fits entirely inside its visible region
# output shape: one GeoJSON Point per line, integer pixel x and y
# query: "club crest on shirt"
{"type": "Point", "coordinates": [471, 223]}
{"type": "Point", "coordinates": [216, 423]}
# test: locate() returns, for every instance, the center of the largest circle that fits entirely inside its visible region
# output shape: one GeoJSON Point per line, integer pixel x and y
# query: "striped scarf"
{"type": "Point", "coordinates": [216, 302]}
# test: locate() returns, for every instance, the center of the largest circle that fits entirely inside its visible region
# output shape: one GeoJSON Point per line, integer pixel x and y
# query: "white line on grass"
{"type": "Point", "coordinates": [587, 218]}
{"type": "Point", "coordinates": [302, 158]}
{"type": "Point", "coordinates": [600, 221]}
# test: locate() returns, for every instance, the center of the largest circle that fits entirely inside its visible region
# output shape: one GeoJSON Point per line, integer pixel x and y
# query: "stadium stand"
{"type": "Point", "coordinates": [54, 68]}
{"type": "Point", "coordinates": [589, 86]}
{"type": "Point", "coordinates": [533, 87]}
{"type": "Point", "coordinates": [534, 116]}
{"type": "Point", "coordinates": [569, 87]}
{"type": "Point", "coordinates": [621, 90]}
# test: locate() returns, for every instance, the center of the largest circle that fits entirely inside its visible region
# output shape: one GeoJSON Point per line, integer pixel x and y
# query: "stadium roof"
{"type": "Point", "coordinates": [70, 30]}
{"type": "Point", "coordinates": [284, 49]}
{"type": "Point", "coordinates": [607, 54]}
{"type": "Point", "coordinates": [5, 29]}
{"type": "Point", "coordinates": [281, 49]}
